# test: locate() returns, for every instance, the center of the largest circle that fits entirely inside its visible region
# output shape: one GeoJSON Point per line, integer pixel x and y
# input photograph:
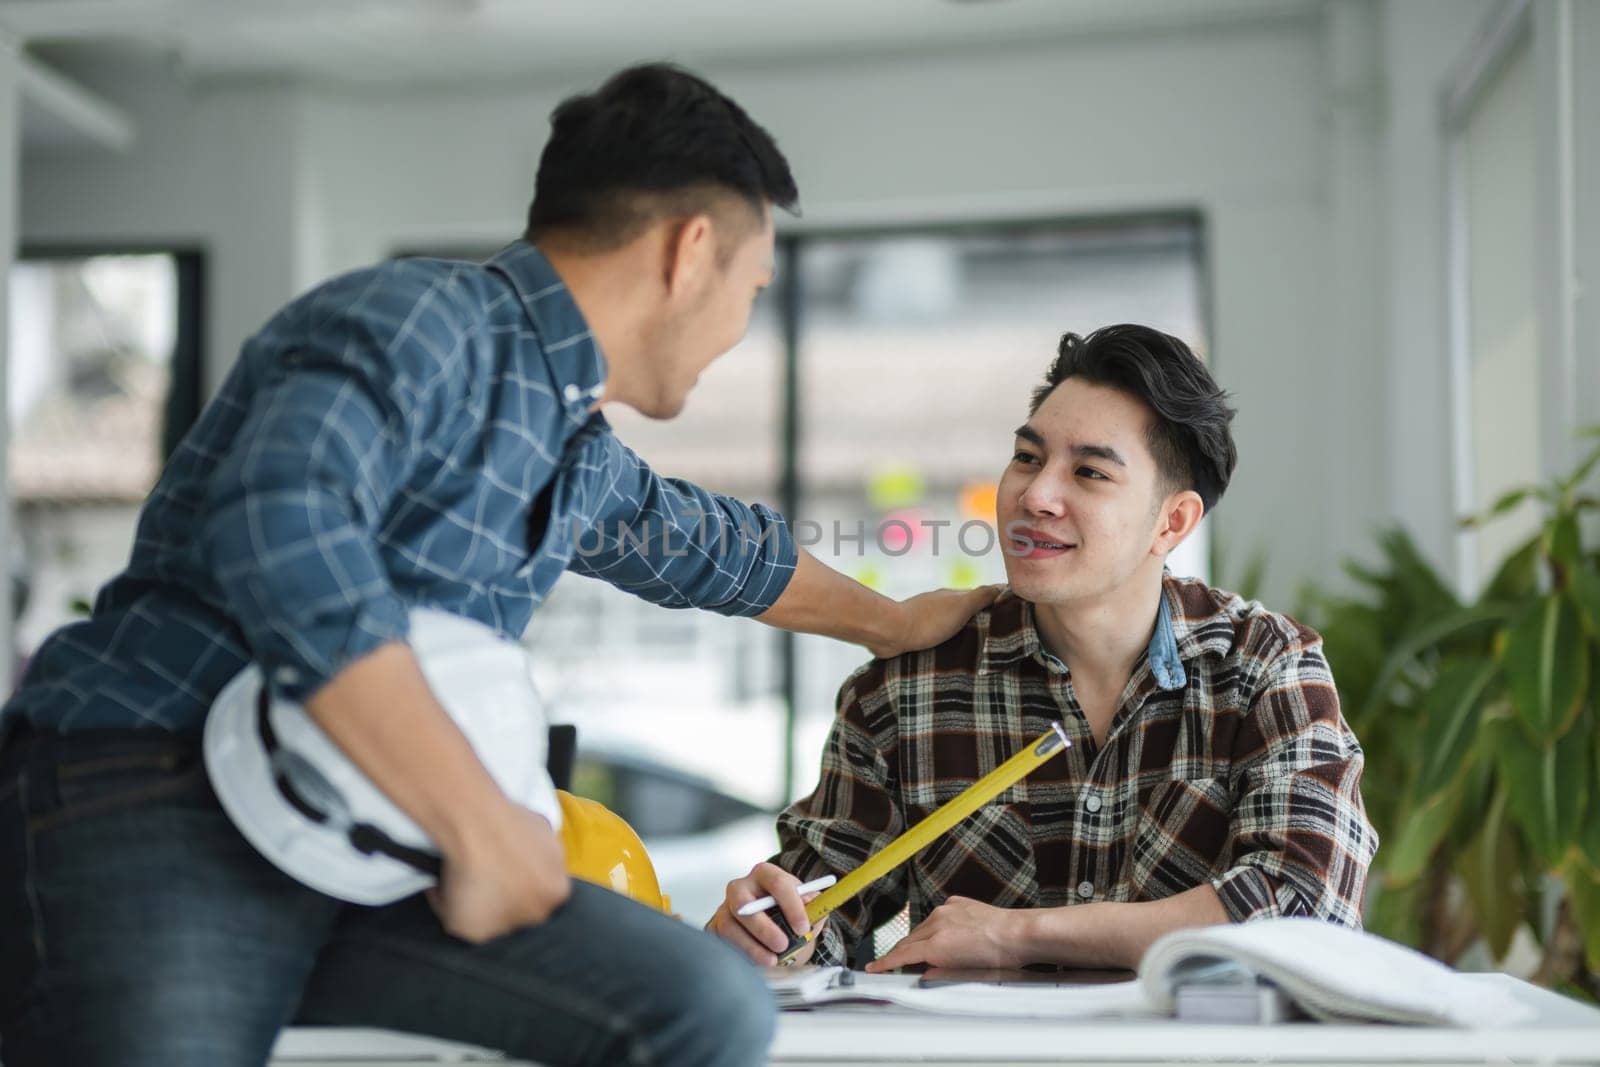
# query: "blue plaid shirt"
{"type": "Point", "coordinates": [414, 434]}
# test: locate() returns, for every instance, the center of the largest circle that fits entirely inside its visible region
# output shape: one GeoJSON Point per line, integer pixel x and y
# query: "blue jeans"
{"type": "Point", "coordinates": [137, 927]}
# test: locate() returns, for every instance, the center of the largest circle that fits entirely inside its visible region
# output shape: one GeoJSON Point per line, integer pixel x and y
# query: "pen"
{"type": "Point", "coordinates": [764, 903]}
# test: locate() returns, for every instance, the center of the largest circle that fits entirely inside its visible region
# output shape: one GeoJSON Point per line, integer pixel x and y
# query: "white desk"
{"type": "Point", "coordinates": [1563, 1032]}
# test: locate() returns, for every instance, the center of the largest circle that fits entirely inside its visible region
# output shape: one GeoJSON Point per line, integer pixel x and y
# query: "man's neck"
{"type": "Point", "coordinates": [1102, 640]}
{"type": "Point", "coordinates": [602, 289]}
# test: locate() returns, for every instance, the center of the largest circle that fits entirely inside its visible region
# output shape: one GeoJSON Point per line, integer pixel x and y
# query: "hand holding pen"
{"type": "Point", "coordinates": [745, 918]}
{"type": "Point", "coordinates": [758, 936]}
{"type": "Point", "coordinates": [762, 904]}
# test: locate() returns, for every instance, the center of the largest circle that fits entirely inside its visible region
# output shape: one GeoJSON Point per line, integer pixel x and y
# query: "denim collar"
{"type": "Point", "coordinates": [576, 363]}
{"type": "Point", "coordinates": [1165, 663]}
{"type": "Point", "coordinates": [1175, 640]}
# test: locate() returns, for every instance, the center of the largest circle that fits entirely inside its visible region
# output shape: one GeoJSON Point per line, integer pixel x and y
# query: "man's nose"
{"type": "Point", "coordinates": [1042, 497]}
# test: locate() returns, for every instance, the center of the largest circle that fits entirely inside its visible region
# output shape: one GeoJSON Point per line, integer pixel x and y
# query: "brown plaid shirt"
{"type": "Point", "coordinates": [1227, 762]}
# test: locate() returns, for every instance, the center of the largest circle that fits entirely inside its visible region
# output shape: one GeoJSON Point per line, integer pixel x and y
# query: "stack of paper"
{"type": "Point", "coordinates": [796, 987]}
{"type": "Point", "coordinates": [1330, 972]}
{"type": "Point", "coordinates": [804, 987]}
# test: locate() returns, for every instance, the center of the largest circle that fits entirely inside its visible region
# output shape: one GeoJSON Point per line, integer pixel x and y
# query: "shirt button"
{"type": "Point", "coordinates": [572, 393]}
{"type": "Point", "coordinates": [286, 676]}
{"type": "Point", "coordinates": [1091, 803]}
{"type": "Point", "coordinates": [1086, 890]}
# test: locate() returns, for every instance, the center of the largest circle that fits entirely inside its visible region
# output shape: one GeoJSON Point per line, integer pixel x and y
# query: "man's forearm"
{"type": "Point", "coordinates": [1115, 935]}
{"type": "Point", "coordinates": [381, 713]}
{"type": "Point", "coordinates": [820, 600]}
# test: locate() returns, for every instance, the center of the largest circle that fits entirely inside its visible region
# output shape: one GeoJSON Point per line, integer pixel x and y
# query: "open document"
{"type": "Point", "coordinates": [1272, 967]}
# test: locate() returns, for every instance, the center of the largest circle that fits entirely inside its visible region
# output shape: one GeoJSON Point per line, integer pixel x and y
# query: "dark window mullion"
{"type": "Point", "coordinates": [789, 492]}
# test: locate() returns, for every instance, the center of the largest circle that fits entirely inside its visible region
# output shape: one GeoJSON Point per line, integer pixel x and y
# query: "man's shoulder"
{"type": "Point", "coordinates": [959, 657]}
{"type": "Point", "coordinates": [408, 319]}
{"type": "Point", "coordinates": [408, 295]}
{"type": "Point", "coordinates": [1225, 622]}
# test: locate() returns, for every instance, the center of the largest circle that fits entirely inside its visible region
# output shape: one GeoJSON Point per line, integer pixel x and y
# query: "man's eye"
{"type": "Point", "coordinates": [1024, 457]}
{"type": "Point", "coordinates": [1091, 473]}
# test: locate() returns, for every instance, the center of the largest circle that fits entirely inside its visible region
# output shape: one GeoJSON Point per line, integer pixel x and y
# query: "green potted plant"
{"type": "Point", "coordinates": [1481, 725]}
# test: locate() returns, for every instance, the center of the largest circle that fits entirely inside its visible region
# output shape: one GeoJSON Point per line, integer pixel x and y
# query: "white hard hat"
{"type": "Point", "coordinates": [299, 800]}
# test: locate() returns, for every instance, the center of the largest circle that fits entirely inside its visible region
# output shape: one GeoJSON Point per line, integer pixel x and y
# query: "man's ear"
{"type": "Point", "coordinates": [1180, 514]}
{"type": "Point", "coordinates": [689, 253]}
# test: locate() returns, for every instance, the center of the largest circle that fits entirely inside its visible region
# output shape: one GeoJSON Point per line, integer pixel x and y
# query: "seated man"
{"type": "Point", "coordinates": [1211, 775]}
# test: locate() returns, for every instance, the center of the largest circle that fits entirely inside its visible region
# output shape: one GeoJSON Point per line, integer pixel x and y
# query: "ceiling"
{"type": "Point", "coordinates": [388, 42]}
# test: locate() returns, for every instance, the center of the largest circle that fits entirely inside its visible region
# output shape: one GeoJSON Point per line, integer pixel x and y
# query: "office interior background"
{"type": "Point", "coordinates": [1374, 218]}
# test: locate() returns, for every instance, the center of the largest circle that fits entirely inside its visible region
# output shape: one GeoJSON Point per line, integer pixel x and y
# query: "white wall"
{"type": "Point", "coordinates": [213, 167]}
{"type": "Point", "coordinates": [1310, 145]}
{"type": "Point", "coordinates": [1423, 39]}
{"type": "Point", "coordinates": [1426, 44]}
{"type": "Point", "coordinates": [1586, 179]}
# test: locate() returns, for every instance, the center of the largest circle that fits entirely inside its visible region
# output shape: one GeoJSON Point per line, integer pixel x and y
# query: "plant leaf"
{"type": "Point", "coordinates": [1421, 830]}
{"type": "Point", "coordinates": [1583, 585]}
{"type": "Point", "coordinates": [1547, 787]}
{"type": "Point", "coordinates": [1591, 829]}
{"type": "Point", "coordinates": [1581, 472]}
{"type": "Point", "coordinates": [1431, 634]}
{"type": "Point", "coordinates": [1489, 870]}
{"type": "Point", "coordinates": [1518, 576]}
{"type": "Point", "coordinates": [1395, 910]}
{"type": "Point", "coordinates": [1584, 888]}
{"type": "Point", "coordinates": [1507, 501]}
{"type": "Point", "coordinates": [1561, 540]}
{"type": "Point", "coordinates": [1424, 590]}
{"type": "Point", "coordinates": [1450, 714]}
{"type": "Point", "coordinates": [1546, 659]}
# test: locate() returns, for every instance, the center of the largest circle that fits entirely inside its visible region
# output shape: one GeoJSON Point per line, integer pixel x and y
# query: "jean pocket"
{"type": "Point", "coordinates": [107, 782]}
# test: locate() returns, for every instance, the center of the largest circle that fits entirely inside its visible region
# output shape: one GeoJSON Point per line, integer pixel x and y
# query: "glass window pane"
{"type": "Point", "coordinates": [694, 695]}
{"type": "Point", "coordinates": [89, 374]}
{"type": "Point", "coordinates": [918, 356]}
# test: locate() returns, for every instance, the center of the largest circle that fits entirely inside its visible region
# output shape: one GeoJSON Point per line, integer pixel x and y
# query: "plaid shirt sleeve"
{"type": "Point", "coordinates": [680, 546]}
{"type": "Point", "coordinates": [854, 812]}
{"type": "Point", "coordinates": [1299, 837]}
{"type": "Point", "coordinates": [342, 399]}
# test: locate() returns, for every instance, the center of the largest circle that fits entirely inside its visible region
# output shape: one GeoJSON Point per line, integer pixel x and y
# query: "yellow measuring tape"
{"type": "Point", "coordinates": [921, 835]}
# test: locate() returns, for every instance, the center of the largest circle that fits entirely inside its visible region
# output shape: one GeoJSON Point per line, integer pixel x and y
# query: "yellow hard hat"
{"type": "Point", "coordinates": [602, 848]}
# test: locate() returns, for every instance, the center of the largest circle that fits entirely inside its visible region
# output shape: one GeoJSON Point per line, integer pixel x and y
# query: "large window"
{"type": "Point", "coordinates": [103, 377]}
{"type": "Point", "coordinates": [917, 355]}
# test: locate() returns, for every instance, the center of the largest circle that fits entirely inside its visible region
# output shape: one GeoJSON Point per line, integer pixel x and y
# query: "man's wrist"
{"type": "Point", "coordinates": [1036, 933]}
{"type": "Point", "coordinates": [473, 829]}
{"type": "Point", "coordinates": [1022, 934]}
{"type": "Point", "coordinates": [883, 630]}
{"type": "Point", "coordinates": [1077, 935]}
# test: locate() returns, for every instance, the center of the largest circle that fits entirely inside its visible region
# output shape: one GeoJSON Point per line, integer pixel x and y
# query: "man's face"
{"type": "Point", "coordinates": [714, 318]}
{"type": "Point", "coordinates": [1083, 486]}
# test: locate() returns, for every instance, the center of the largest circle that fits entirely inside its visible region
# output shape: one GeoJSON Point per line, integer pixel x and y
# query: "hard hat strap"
{"type": "Point", "coordinates": [368, 839]}
{"type": "Point", "coordinates": [363, 836]}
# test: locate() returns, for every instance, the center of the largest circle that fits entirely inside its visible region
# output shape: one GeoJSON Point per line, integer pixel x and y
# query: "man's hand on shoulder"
{"type": "Point", "coordinates": [932, 618]}
{"type": "Point", "coordinates": [962, 933]}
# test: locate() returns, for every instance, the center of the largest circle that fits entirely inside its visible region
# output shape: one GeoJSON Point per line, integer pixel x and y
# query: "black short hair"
{"type": "Point", "coordinates": [1190, 439]}
{"type": "Point", "coordinates": [653, 140]}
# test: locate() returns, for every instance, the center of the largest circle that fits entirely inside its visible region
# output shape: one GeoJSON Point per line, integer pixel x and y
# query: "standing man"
{"type": "Point", "coordinates": [420, 433]}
